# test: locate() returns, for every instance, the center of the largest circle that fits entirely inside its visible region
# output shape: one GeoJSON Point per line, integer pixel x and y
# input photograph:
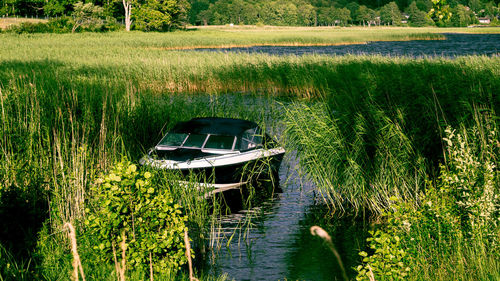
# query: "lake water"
{"type": "Point", "coordinates": [454, 45]}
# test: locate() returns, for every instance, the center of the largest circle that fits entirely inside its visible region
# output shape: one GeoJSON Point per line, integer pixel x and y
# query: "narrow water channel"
{"type": "Point", "coordinates": [278, 244]}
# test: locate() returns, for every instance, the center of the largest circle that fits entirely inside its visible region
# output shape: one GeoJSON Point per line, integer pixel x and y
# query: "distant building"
{"type": "Point", "coordinates": [405, 18]}
{"type": "Point", "coordinates": [484, 20]}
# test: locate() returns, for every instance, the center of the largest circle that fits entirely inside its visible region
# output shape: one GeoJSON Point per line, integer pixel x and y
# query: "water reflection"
{"type": "Point", "coordinates": [278, 244]}
{"type": "Point", "coordinates": [310, 259]}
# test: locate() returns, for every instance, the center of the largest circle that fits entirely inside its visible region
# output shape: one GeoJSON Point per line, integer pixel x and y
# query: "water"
{"type": "Point", "coordinates": [279, 244]}
{"type": "Point", "coordinates": [454, 45]}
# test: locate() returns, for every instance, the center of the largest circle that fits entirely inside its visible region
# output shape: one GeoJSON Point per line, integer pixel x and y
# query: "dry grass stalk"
{"type": "Point", "coordinates": [150, 267]}
{"type": "Point", "coordinates": [120, 268]}
{"type": "Point", "coordinates": [188, 255]}
{"type": "Point", "coordinates": [123, 246]}
{"type": "Point", "coordinates": [117, 266]}
{"type": "Point", "coordinates": [318, 231]}
{"type": "Point", "coordinates": [77, 264]}
{"type": "Point", "coordinates": [371, 276]}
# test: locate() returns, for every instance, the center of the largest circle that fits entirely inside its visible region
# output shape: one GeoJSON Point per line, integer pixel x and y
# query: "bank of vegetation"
{"type": "Point", "coordinates": [412, 140]}
{"type": "Point", "coordinates": [166, 15]}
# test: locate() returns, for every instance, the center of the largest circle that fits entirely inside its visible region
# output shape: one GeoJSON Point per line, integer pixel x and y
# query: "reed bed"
{"type": "Point", "coordinates": [238, 36]}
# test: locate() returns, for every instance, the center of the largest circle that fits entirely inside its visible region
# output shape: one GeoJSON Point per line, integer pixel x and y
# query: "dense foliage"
{"type": "Point", "coordinates": [128, 207]}
{"type": "Point", "coordinates": [161, 15]}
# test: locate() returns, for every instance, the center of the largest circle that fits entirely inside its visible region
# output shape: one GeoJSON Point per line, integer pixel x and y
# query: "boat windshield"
{"type": "Point", "coordinates": [195, 141]}
{"type": "Point", "coordinates": [220, 142]}
{"type": "Point", "coordinates": [173, 139]}
{"type": "Point", "coordinates": [250, 139]}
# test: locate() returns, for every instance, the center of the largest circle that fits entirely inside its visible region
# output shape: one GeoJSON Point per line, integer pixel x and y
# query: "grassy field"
{"type": "Point", "coordinates": [368, 129]}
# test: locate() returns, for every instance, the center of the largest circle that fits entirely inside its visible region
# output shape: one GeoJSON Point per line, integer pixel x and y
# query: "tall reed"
{"type": "Point", "coordinates": [356, 170]}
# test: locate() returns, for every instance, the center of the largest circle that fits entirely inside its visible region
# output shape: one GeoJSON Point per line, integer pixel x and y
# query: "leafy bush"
{"type": "Point", "coordinates": [127, 203]}
{"type": "Point", "coordinates": [387, 261]}
{"type": "Point", "coordinates": [61, 24]}
{"type": "Point", "coordinates": [28, 27]}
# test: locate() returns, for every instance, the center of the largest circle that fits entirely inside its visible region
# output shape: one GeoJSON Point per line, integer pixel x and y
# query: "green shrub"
{"type": "Point", "coordinates": [29, 27]}
{"type": "Point", "coordinates": [54, 25]}
{"type": "Point", "coordinates": [387, 261]}
{"type": "Point", "coordinates": [470, 181]}
{"type": "Point", "coordinates": [61, 24]}
{"type": "Point", "coordinates": [128, 203]}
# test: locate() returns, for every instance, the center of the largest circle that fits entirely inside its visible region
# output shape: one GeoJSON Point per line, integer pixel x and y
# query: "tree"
{"type": "Point", "coordinates": [127, 6]}
{"type": "Point", "coordinates": [343, 16]}
{"type": "Point", "coordinates": [462, 16]}
{"type": "Point", "coordinates": [325, 16]}
{"type": "Point", "coordinates": [366, 15]}
{"type": "Point", "coordinates": [280, 12]}
{"type": "Point", "coordinates": [197, 7]}
{"type": "Point", "coordinates": [204, 17]}
{"type": "Point", "coordinates": [354, 8]}
{"type": "Point", "coordinates": [237, 11]}
{"type": "Point", "coordinates": [390, 13]}
{"type": "Point", "coordinates": [424, 5]}
{"type": "Point", "coordinates": [160, 15]}
{"type": "Point", "coordinates": [86, 14]}
{"type": "Point", "coordinates": [418, 17]}
{"type": "Point", "coordinates": [54, 8]}
{"type": "Point", "coordinates": [490, 10]}
{"type": "Point", "coordinates": [307, 14]}
{"type": "Point", "coordinates": [8, 8]}
{"type": "Point", "coordinates": [475, 5]}
{"type": "Point", "coordinates": [440, 12]}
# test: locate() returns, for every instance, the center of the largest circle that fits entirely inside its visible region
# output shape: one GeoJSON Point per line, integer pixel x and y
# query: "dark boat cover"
{"type": "Point", "coordinates": [214, 126]}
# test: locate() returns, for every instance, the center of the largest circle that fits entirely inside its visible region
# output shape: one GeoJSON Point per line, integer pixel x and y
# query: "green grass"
{"type": "Point", "coordinates": [365, 127]}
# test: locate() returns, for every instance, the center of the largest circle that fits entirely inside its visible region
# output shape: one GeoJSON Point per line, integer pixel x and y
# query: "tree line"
{"type": "Point", "coordinates": [167, 14]}
{"type": "Point", "coordinates": [342, 12]}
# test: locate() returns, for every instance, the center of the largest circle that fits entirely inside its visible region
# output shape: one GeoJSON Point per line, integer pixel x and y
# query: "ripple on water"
{"type": "Point", "coordinates": [454, 45]}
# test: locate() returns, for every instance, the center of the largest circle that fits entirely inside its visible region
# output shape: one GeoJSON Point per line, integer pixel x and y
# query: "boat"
{"type": "Point", "coordinates": [224, 152]}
